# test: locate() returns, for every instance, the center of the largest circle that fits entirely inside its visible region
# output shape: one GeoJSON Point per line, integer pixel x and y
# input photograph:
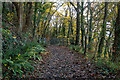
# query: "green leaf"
{"type": "Point", "coordinates": [9, 61]}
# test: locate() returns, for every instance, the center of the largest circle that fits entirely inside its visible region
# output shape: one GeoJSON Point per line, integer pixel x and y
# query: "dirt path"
{"type": "Point", "coordinates": [63, 63]}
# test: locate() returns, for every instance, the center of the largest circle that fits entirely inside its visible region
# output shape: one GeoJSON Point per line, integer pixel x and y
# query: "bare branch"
{"type": "Point", "coordinates": [73, 5]}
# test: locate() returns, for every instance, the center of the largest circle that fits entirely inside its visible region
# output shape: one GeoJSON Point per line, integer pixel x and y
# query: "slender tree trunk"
{"type": "Point", "coordinates": [97, 41]}
{"type": "Point", "coordinates": [56, 31]}
{"type": "Point", "coordinates": [90, 28]}
{"type": "Point", "coordinates": [87, 29]}
{"type": "Point", "coordinates": [3, 11]}
{"type": "Point", "coordinates": [71, 26]}
{"type": "Point", "coordinates": [103, 32]}
{"type": "Point", "coordinates": [19, 11]}
{"type": "Point", "coordinates": [107, 44]}
{"type": "Point", "coordinates": [116, 45]}
{"type": "Point", "coordinates": [17, 7]}
{"type": "Point", "coordinates": [21, 17]}
{"type": "Point", "coordinates": [82, 26]}
{"type": "Point", "coordinates": [3, 7]}
{"type": "Point", "coordinates": [34, 29]}
{"type": "Point", "coordinates": [78, 25]}
{"type": "Point", "coordinates": [63, 29]}
{"type": "Point", "coordinates": [63, 26]}
{"type": "Point", "coordinates": [85, 49]}
{"type": "Point", "coordinates": [45, 24]}
{"type": "Point", "coordinates": [59, 29]}
{"type": "Point", "coordinates": [27, 28]}
{"type": "Point", "coordinates": [68, 33]}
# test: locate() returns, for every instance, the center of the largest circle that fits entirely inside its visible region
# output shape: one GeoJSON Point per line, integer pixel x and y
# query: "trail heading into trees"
{"type": "Point", "coordinates": [63, 63]}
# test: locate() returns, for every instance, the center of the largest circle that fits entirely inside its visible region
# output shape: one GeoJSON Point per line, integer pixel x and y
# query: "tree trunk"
{"type": "Point", "coordinates": [68, 33]}
{"type": "Point", "coordinates": [19, 11]}
{"type": "Point", "coordinates": [17, 7]}
{"type": "Point", "coordinates": [78, 24]}
{"type": "Point", "coordinates": [59, 29]}
{"type": "Point", "coordinates": [103, 32]}
{"type": "Point", "coordinates": [63, 26]}
{"type": "Point", "coordinates": [3, 11]}
{"type": "Point", "coordinates": [116, 45]}
{"type": "Point", "coordinates": [87, 29]}
{"type": "Point", "coordinates": [45, 24]}
{"type": "Point", "coordinates": [71, 26]}
{"type": "Point", "coordinates": [107, 44]}
{"type": "Point", "coordinates": [63, 29]}
{"type": "Point", "coordinates": [56, 31]}
{"type": "Point", "coordinates": [34, 29]}
{"type": "Point", "coordinates": [20, 17]}
{"type": "Point", "coordinates": [90, 29]}
{"type": "Point", "coordinates": [82, 27]}
{"type": "Point", "coordinates": [27, 28]}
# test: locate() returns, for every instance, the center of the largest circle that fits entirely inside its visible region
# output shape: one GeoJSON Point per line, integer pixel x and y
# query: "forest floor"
{"type": "Point", "coordinates": [61, 62]}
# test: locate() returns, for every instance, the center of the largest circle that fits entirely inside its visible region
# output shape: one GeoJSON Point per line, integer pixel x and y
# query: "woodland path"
{"type": "Point", "coordinates": [62, 62]}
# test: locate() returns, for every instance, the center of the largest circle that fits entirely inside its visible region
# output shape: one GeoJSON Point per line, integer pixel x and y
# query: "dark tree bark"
{"type": "Point", "coordinates": [103, 32]}
{"type": "Point", "coordinates": [59, 29]}
{"type": "Point", "coordinates": [116, 45]}
{"type": "Point", "coordinates": [56, 31]}
{"type": "Point", "coordinates": [27, 28]}
{"type": "Point", "coordinates": [63, 29]}
{"type": "Point", "coordinates": [71, 26]}
{"type": "Point", "coordinates": [3, 10]}
{"type": "Point", "coordinates": [19, 11]}
{"type": "Point", "coordinates": [90, 28]}
{"type": "Point", "coordinates": [82, 27]}
{"type": "Point", "coordinates": [78, 24]}
{"type": "Point", "coordinates": [63, 26]}
{"type": "Point", "coordinates": [17, 7]}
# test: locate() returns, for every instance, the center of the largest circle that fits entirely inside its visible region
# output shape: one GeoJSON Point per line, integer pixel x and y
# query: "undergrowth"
{"type": "Point", "coordinates": [18, 55]}
{"type": "Point", "coordinates": [104, 65]}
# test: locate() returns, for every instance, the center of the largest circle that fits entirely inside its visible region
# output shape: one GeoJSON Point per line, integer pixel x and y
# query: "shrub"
{"type": "Point", "coordinates": [17, 58]}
